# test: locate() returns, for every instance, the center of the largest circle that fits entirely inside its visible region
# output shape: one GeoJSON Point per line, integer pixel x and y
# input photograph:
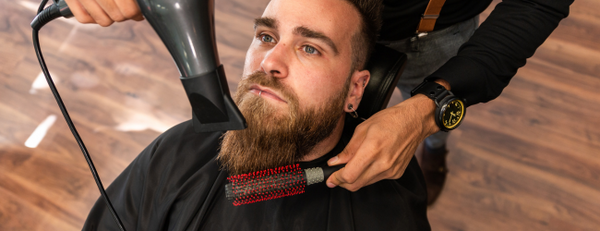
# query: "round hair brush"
{"type": "Point", "coordinates": [274, 183]}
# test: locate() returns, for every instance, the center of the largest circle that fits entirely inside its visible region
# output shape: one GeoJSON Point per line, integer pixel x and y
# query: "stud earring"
{"type": "Point", "coordinates": [354, 114]}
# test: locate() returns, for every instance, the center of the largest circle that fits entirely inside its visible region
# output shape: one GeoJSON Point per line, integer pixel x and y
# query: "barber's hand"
{"type": "Point", "coordinates": [383, 145]}
{"type": "Point", "coordinates": [105, 12]}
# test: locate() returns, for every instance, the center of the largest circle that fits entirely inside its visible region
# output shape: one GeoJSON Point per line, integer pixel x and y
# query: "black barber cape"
{"type": "Point", "coordinates": [176, 184]}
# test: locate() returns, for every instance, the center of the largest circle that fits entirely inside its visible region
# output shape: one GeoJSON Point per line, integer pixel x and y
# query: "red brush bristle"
{"type": "Point", "coordinates": [267, 184]}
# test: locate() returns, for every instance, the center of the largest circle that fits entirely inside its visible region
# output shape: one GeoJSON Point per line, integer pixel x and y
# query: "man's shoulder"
{"type": "Point", "coordinates": [181, 145]}
{"type": "Point", "coordinates": [184, 136]}
{"type": "Point", "coordinates": [186, 129]}
{"type": "Point", "coordinates": [180, 155]}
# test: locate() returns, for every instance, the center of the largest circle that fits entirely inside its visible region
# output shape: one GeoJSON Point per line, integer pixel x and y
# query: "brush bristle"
{"type": "Point", "coordinates": [267, 184]}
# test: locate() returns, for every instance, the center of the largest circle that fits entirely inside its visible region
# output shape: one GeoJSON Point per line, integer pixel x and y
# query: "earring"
{"type": "Point", "coordinates": [354, 114]}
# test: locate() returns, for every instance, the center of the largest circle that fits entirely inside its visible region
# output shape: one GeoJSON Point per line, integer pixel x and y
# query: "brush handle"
{"type": "Point", "coordinates": [319, 174]}
{"type": "Point", "coordinates": [327, 171]}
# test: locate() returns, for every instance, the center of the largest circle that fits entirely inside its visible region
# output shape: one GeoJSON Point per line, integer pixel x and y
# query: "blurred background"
{"type": "Point", "coordinates": [529, 160]}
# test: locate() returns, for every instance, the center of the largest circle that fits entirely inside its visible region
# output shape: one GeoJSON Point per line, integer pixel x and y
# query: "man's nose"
{"type": "Point", "coordinates": [275, 61]}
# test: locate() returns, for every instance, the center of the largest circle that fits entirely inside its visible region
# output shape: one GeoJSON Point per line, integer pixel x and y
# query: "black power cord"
{"type": "Point", "coordinates": [59, 9]}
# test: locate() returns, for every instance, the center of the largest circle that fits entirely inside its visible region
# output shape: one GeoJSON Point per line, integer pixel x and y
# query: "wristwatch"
{"type": "Point", "coordinates": [450, 110]}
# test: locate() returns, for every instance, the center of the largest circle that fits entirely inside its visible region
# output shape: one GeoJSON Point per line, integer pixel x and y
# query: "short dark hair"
{"type": "Point", "coordinates": [364, 41]}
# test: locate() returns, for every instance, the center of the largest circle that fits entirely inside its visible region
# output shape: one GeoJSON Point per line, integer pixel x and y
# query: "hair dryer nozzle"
{"type": "Point", "coordinates": [212, 107]}
{"type": "Point", "coordinates": [186, 27]}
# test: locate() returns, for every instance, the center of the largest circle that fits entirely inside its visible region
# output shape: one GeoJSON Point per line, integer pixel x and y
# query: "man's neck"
{"type": "Point", "coordinates": [327, 144]}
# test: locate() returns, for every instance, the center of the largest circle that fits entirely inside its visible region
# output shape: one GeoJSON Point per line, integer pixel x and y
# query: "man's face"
{"type": "Point", "coordinates": [296, 80]}
{"type": "Point", "coordinates": [306, 46]}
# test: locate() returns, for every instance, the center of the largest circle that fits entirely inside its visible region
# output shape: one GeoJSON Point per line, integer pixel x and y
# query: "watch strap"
{"type": "Point", "coordinates": [433, 90]}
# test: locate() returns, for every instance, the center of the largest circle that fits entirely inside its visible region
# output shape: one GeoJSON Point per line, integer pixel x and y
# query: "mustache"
{"type": "Point", "coordinates": [262, 79]}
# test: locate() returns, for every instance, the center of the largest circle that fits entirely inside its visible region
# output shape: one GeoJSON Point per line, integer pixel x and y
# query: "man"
{"type": "Point", "coordinates": [302, 71]}
{"type": "Point", "coordinates": [383, 146]}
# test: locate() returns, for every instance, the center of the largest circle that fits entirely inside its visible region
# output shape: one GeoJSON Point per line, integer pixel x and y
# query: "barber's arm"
{"type": "Point", "coordinates": [505, 40]}
{"type": "Point", "coordinates": [105, 12]}
{"type": "Point", "coordinates": [382, 146]}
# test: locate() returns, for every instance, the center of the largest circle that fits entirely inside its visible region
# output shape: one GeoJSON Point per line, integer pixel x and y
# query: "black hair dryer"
{"type": "Point", "coordinates": [186, 27]}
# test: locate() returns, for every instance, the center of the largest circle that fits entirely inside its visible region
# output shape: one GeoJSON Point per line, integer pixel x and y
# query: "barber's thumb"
{"type": "Point", "coordinates": [341, 158]}
{"type": "Point", "coordinates": [332, 181]}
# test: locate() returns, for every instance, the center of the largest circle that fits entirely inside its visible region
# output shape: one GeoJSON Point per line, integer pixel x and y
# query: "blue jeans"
{"type": "Point", "coordinates": [427, 54]}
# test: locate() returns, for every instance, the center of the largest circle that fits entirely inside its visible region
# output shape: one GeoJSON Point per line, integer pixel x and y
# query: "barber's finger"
{"type": "Point", "coordinates": [384, 170]}
{"type": "Point", "coordinates": [349, 151]}
{"type": "Point", "coordinates": [354, 169]}
{"type": "Point", "coordinates": [333, 181]}
{"type": "Point", "coordinates": [361, 168]}
{"type": "Point", "coordinates": [342, 176]}
{"type": "Point", "coordinates": [367, 179]}
{"type": "Point", "coordinates": [373, 173]}
{"type": "Point", "coordinates": [97, 13]}
{"type": "Point", "coordinates": [341, 158]}
{"type": "Point", "coordinates": [112, 10]}
{"type": "Point", "coordinates": [138, 18]}
{"type": "Point", "coordinates": [79, 12]}
{"type": "Point", "coordinates": [360, 181]}
{"type": "Point", "coordinates": [130, 9]}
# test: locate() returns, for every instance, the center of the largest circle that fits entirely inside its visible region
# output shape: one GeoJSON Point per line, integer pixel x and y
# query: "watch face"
{"type": "Point", "coordinates": [453, 114]}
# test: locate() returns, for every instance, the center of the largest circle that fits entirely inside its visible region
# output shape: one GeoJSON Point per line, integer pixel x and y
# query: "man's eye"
{"type": "Point", "coordinates": [310, 50]}
{"type": "Point", "coordinates": [266, 38]}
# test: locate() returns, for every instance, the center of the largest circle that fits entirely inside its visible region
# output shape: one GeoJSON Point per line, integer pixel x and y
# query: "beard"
{"type": "Point", "coordinates": [275, 138]}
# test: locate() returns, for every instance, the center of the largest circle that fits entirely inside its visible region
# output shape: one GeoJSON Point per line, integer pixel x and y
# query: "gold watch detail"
{"type": "Point", "coordinates": [453, 114]}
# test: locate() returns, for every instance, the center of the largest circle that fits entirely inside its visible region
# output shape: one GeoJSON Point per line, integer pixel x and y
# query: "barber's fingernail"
{"type": "Point", "coordinates": [333, 160]}
{"type": "Point", "coordinates": [331, 185]}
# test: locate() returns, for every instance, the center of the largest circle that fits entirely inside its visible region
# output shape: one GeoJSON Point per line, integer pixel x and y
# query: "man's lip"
{"type": "Point", "coordinates": [266, 92]}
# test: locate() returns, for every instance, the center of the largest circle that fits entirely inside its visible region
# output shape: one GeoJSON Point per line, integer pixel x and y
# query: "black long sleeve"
{"type": "Point", "coordinates": [485, 64]}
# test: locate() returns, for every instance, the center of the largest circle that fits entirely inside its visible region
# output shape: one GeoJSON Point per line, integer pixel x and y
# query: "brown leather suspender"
{"type": "Point", "coordinates": [430, 16]}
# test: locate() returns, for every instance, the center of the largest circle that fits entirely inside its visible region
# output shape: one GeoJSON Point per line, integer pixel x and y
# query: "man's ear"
{"type": "Point", "coordinates": [358, 82]}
